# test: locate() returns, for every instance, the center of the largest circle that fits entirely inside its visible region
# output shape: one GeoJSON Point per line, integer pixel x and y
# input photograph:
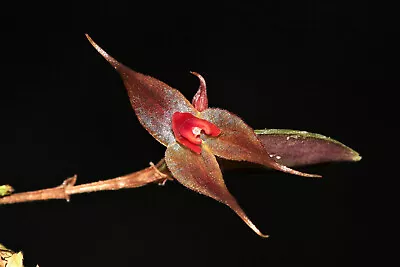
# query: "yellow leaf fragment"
{"type": "Point", "coordinates": [15, 260]}
{"type": "Point", "coordinates": [5, 190]}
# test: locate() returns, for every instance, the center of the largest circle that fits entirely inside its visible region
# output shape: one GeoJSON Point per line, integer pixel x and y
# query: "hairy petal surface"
{"type": "Point", "coordinates": [297, 148]}
{"type": "Point", "coordinates": [154, 102]}
{"type": "Point", "coordinates": [201, 173]}
{"type": "Point", "coordinates": [238, 141]}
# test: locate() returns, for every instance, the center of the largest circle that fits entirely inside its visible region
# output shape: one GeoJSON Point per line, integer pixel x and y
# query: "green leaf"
{"type": "Point", "coordinates": [298, 148]}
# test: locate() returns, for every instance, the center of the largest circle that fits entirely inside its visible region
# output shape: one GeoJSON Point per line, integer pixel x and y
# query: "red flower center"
{"type": "Point", "coordinates": [187, 129]}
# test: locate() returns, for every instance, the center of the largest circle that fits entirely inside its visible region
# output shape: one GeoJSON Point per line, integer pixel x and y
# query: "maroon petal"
{"type": "Point", "coordinates": [296, 148]}
{"type": "Point", "coordinates": [201, 173]}
{"type": "Point", "coordinates": [238, 141]}
{"type": "Point", "coordinates": [154, 102]}
{"type": "Point", "coordinates": [200, 100]}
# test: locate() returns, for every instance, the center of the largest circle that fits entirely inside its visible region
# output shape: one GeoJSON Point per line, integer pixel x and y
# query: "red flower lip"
{"type": "Point", "coordinates": [187, 129]}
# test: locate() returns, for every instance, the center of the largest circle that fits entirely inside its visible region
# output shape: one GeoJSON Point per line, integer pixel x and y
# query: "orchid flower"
{"type": "Point", "coordinates": [195, 134]}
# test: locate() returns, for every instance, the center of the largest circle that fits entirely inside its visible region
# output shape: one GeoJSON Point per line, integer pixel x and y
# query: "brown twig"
{"type": "Point", "coordinates": [154, 174]}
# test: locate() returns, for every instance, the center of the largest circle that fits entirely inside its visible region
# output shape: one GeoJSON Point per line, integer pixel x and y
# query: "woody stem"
{"type": "Point", "coordinates": [154, 174]}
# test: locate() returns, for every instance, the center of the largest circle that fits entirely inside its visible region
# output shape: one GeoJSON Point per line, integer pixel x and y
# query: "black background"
{"type": "Point", "coordinates": [306, 65]}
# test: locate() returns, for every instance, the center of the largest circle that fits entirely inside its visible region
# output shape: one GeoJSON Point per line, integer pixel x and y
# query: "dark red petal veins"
{"type": "Point", "coordinates": [200, 100]}
{"type": "Point", "coordinates": [201, 173]}
{"type": "Point", "coordinates": [187, 128]}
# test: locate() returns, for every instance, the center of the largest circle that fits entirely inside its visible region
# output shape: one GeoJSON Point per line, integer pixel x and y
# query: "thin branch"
{"type": "Point", "coordinates": [153, 174]}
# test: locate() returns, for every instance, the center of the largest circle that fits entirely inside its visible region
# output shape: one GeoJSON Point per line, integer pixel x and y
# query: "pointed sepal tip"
{"type": "Point", "coordinates": [201, 173]}
{"type": "Point", "coordinates": [109, 58]}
